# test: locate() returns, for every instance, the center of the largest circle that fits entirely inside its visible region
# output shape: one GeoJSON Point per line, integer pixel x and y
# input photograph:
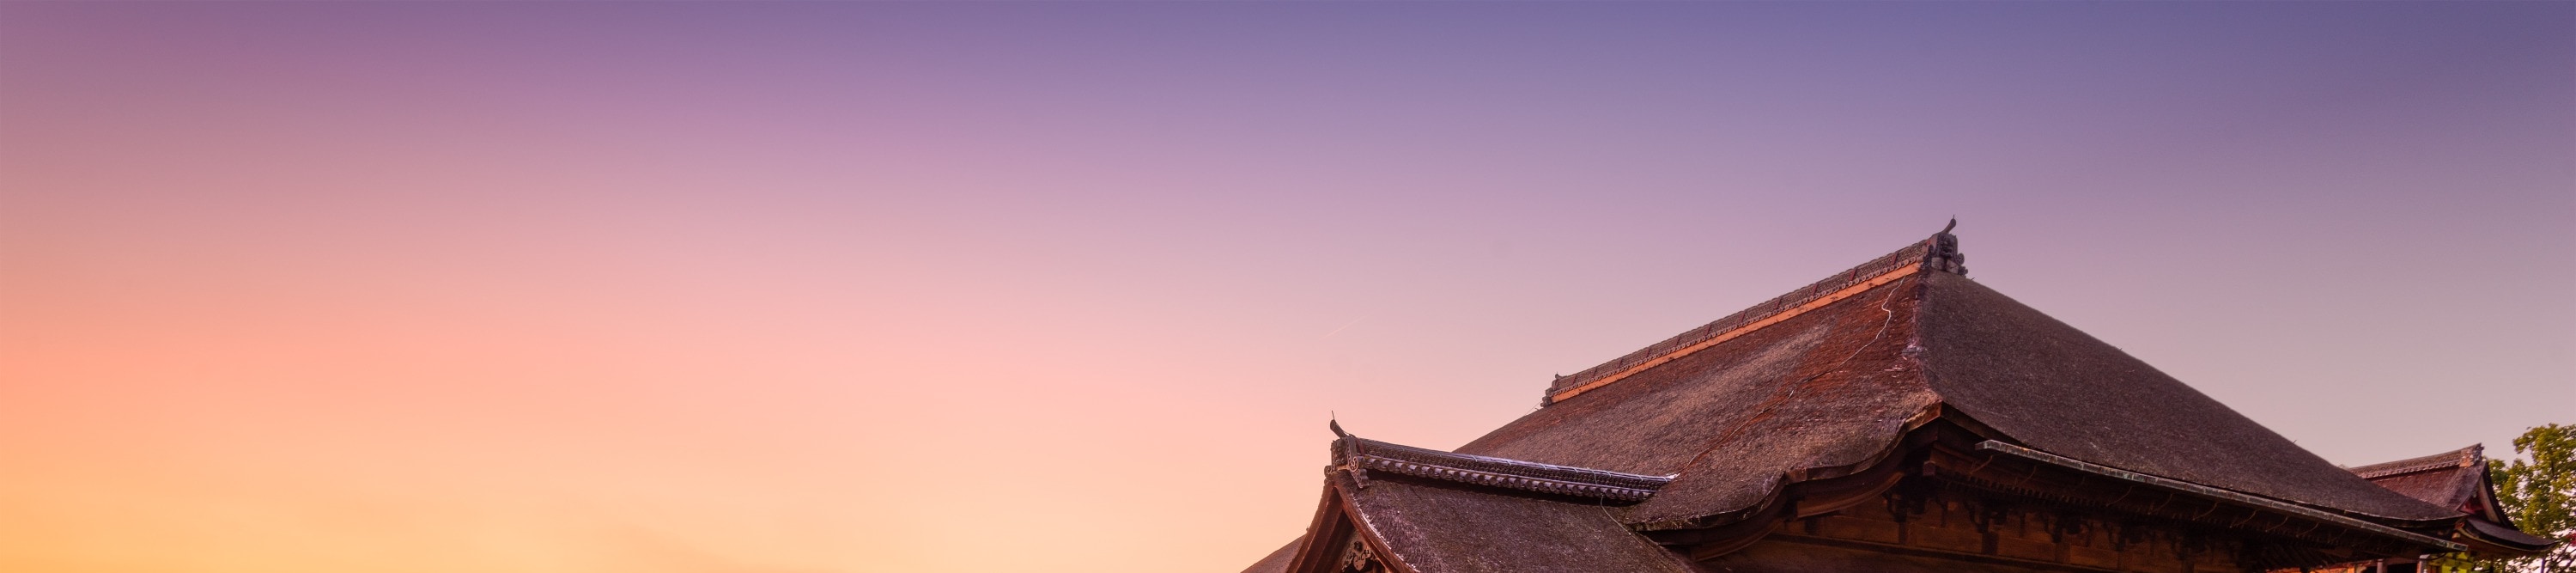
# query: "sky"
{"type": "Point", "coordinates": [983, 287]}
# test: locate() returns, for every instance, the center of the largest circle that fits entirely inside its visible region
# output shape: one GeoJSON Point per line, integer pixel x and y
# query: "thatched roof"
{"type": "Point", "coordinates": [1821, 382]}
{"type": "Point", "coordinates": [1834, 387]}
{"type": "Point", "coordinates": [2456, 479]}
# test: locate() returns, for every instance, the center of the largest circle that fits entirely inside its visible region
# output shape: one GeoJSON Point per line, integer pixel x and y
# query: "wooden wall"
{"type": "Point", "coordinates": [2039, 537]}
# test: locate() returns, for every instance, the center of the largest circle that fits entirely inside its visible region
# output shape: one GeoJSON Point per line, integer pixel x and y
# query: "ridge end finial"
{"type": "Point", "coordinates": [1944, 255]}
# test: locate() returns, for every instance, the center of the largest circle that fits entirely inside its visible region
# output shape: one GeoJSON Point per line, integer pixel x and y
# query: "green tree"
{"type": "Point", "coordinates": [2539, 493]}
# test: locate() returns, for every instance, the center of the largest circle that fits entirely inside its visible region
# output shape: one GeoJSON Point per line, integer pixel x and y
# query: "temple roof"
{"type": "Point", "coordinates": [2455, 479]}
{"type": "Point", "coordinates": [2450, 479]}
{"type": "Point", "coordinates": [1434, 511]}
{"type": "Point", "coordinates": [1708, 426]}
{"type": "Point", "coordinates": [1430, 525]}
{"type": "Point", "coordinates": [2507, 536]}
{"type": "Point", "coordinates": [1826, 379]}
{"type": "Point", "coordinates": [1277, 561]}
{"type": "Point", "coordinates": [1360, 456]}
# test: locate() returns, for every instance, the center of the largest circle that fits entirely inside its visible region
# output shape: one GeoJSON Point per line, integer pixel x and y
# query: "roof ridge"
{"type": "Point", "coordinates": [2460, 458]}
{"type": "Point", "coordinates": [1360, 456]}
{"type": "Point", "coordinates": [1939, 252]}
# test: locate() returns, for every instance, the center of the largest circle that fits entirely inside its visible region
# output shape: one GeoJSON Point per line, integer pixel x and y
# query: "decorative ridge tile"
{"type": "Point", "coordinates": [1360, 456]}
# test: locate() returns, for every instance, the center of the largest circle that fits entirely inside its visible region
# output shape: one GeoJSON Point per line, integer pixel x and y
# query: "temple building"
{"type": "Point", "coordinates": [2458, 480]}
{"type": "Point", "coordinates": [1896, 417]}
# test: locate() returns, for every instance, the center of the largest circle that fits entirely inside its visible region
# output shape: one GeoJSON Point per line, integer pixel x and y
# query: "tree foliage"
{"type": "Point", "coordinates": [2538, 493]}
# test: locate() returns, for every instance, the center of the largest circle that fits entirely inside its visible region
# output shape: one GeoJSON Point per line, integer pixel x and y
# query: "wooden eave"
{"type": "Point", "coordinates": [1953, 452]}
{"type": "Point", "coordinates": [2218, 496]}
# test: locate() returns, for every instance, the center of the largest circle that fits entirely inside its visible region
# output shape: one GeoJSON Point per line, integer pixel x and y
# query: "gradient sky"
{"type": "Point", "coordinates": [741, 287]}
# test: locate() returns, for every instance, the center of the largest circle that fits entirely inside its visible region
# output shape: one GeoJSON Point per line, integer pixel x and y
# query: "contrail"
{"type": "Point", "coordinates": [1339, 330]}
